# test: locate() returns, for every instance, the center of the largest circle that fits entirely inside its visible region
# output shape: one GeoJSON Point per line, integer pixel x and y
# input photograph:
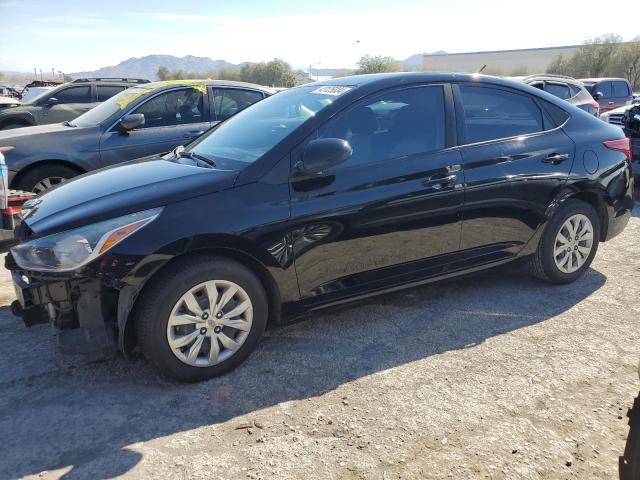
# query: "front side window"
{"type": "Point", "coordinates": [604, 88]}
{"type": "Point", "coordinates": [560, 90]}
{"type": "Point", "coordinates": [491, 114]}
{"type": "Point", "coordinates": [247, 136]}
{"type": "Point", "coordinates": [74, 95]}
{"type": "Point", "coordinates": [176, 107]}
{"type": "Point", "coordinates": [107, 91]}
{"type": "Point", "coordinates": [621, 89]}
{"type": "Point", "coordinates": [228, 102]}
{"type": "Point", "coordinates": [391, 125]}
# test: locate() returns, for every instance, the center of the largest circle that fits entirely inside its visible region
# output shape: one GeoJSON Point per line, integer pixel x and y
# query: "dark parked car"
{"type": "Point", "coordinates": [566, 88]}
{"type": "Point", "coordinates": [610, 93]}
{"type": "Point", "coordinates": [321, 194]}
{"type": "Point", "coordinates": [143, 120]}
{"type": "Point", "coordinates": [65, 102]}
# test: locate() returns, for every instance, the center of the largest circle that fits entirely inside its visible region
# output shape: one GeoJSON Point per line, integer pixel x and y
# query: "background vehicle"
{"type": "Point", "coordinates": [610, 93]}
{"type": "Point", "coordinates": [7, 91]}
{"type": "Point", "coordinates": [628, 118]}
{"type": "Point", "coordinates": [8, 102]}
{"type": "Point", "coordinates": [143, 120]}
{"type": "Point", "coordinates": [318, 195]}
{"type": "Point", "coordinates": [566, 88]}
{"type": "Point", "coordinates": [65, 102]}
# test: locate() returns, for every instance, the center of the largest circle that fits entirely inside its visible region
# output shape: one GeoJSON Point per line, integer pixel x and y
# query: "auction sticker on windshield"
{"type": "Point", "coordinates": [331, 90]}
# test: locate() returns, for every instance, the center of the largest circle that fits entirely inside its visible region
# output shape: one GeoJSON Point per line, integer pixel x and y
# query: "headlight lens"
{"type": "Point", "coordinates": [69, 250]}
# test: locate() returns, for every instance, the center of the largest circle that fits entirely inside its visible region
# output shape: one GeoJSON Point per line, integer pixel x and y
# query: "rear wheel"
{"type": "Point", "coordinates": [201, 318]}
{"type": "Point", "coordinates": [568, 244]}
{"type": "Point", "coordinates": [39, 179]}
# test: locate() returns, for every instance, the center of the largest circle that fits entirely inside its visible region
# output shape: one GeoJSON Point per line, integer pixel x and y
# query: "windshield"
{"type": "Point", "coordinates": [103, 111]}
{"type": "Point", "coordinates": [248, 135]}
{"type": "Point", "coordinates": [39, 96]}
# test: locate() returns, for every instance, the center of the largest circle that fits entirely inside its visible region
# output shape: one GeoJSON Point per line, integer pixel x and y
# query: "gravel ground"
{"type": "Point", "coordinates": [491, 376]}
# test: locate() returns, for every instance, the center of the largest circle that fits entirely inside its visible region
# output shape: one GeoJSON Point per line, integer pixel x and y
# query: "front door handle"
{"type": "Point", "coordinates": [611, 103]}
{"type": "Point", "coordinates": [556, 158]}
{"type": "Point", "coordinates": [438, 182]}
{"type": "Point", "coordinates": [194, 133]}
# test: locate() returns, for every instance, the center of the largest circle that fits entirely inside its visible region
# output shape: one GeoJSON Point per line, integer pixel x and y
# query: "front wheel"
{"type": "Point", "coordinates": [42, 178]}
{"type": "Point", "coordinates": [201, 318]}
{"type": "Point", "coordinates": [568, 244]}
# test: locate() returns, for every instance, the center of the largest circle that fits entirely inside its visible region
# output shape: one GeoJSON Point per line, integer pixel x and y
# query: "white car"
{"type": "Point", "coordinates": [615, 116]}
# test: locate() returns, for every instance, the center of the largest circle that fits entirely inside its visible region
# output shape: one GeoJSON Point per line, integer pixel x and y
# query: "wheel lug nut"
{"type": "Point", "coordinates": [203, 331]}
{"type": "Point", "coordinates": [219, 315]}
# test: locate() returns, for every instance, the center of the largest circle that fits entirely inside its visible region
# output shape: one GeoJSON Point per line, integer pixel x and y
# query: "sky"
{"type": "Point", "coordinates": [77, 35]}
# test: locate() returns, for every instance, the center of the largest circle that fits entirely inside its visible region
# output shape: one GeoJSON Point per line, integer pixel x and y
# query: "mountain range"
{"type": "Point", "coordinates": [147, 66]}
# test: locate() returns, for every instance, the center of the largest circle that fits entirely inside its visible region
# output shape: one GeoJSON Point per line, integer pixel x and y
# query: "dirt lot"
{"type": "Point", "coordinates": [491, 376]}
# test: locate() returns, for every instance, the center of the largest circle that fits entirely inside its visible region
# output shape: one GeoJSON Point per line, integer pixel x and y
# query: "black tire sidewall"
{"type": "Point", "coordinates": [155, 308]}
{"type": "Point", "coordinates": [567, 210]}
{"type": "Point", "coordinates": [38, 173]}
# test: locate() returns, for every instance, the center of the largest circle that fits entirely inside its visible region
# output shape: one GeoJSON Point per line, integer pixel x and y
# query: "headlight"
{"type": "Point", "coordinates": [69, 250]}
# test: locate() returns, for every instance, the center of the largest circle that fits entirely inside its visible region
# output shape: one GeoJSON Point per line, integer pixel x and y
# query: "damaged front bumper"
{"type": "Point", "coordinates": [80, 310]}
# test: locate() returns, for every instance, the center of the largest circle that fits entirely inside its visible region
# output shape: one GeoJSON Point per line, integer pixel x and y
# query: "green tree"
{"type": "Point", "coordinates": [276, 73]}
{"type": "Point", "coordinates": [376, 64]}
{"type": "Point", "coordinates": [594, 59]}
{"type": "Point", "coordinates": [163, 73]}
{"type": "Point", "coordinates": [627, 61]}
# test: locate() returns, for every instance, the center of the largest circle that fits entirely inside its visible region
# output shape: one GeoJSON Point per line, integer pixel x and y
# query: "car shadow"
{"type": "Point", "coordinates": [629, 462]}
{"type": "Point", "coordinates": [88, 415]}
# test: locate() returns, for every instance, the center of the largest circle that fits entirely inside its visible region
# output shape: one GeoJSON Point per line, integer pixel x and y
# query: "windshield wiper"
{"type": "Point", "coordinates": [196, 156]}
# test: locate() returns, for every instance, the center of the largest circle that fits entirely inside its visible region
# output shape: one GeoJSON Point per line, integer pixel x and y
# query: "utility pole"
{"type": "Point", "coordinates": [35, 73]}
{"type": "Point", "coordinates": [53, 74]}
{"type": "Point", "coordinates": [41, 77]}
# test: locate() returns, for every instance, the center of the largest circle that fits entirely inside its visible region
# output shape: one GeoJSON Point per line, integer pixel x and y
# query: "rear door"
{"type": "Point", "coordinates": [73, 101]}
{"type": "Point", "coordinates": [391, 212]}
{"type": "Point", "coordinates": [172, 117]}
{"type": "Point", "coordinates": [515, 161]}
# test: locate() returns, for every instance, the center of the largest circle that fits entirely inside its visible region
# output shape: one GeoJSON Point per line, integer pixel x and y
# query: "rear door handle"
{"type": "Point", "coordinates": [556, 158]}
{"type": "Point", "coordinates": [440, 181]}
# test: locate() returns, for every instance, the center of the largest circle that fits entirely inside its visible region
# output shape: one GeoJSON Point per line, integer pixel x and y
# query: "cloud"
{"type": "Point", "coordinates": [82, 19]}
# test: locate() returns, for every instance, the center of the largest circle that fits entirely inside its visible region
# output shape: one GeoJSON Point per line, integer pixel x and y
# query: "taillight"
{"type": "Point", "coordinates": [621, 145]}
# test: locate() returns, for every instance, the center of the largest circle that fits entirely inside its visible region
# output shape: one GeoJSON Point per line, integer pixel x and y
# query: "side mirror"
{"type": "Point", "coordinates": [52, 101]}
{"type": "Point", "coordinates": [131, 122]}
{"type": "Point", "coordinates": [324, 153]}
{"type": "Point", "coordinates": [597, 96]}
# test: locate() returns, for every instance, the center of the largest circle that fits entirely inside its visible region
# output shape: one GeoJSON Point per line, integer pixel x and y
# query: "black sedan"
{"type": "Point", "coordinates": [146, 119]}
{"type": "Point", "coordinates": [316, 196]}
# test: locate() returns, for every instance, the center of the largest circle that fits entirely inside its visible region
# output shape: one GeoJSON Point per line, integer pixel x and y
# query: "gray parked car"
{"type": "Point", "coordinates": [566, 88]}
{"type": "Point", "coordinates": [64, 102]}
{"type": "Point", "coordinates": [142, 120]}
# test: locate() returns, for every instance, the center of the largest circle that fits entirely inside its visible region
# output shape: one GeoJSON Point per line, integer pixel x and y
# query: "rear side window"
{"type": "Point", "coordinates": [620, 89]}
{"type": "Point", "coordinates": [491, 113]}
{"type": "Point", "coordinates": [74, 95]}
{"type": "Point", "coordinates": [560, 90]}
{"type": "Point", "coordinates": [392, 125]}
{"type": "Point", "coordinates": [575, 90]}
{"type": "Point", "coordinates": [228, 102]}
{"type": "Point", "coordinates": [107, 91]}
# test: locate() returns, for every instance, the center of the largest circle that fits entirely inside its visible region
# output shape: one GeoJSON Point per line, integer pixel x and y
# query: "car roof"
{"type": "Point", "coordinates": [550, 77]}
{"type": "Point", "coordinates": [386, 80]}
{"type": "Point", "coordinates": [595, 80]}
{"type": "Point", "coordinates": [207, 83]}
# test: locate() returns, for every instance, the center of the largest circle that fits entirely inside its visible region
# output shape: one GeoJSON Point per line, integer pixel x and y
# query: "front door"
{"type": "Point", "coordinates": [172, 118]}
{"type": "Point", "coordinates": [390, 213]}
{"type": "Point", "coordinates": [515, 162]}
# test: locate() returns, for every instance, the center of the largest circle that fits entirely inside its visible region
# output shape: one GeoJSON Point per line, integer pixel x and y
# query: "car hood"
{"type": "Point", "coordinates": [27, 133]}
{"type": "Point", "coordinates": [618, 110]}
{"type": "Point", "coordinates": [121, 190]}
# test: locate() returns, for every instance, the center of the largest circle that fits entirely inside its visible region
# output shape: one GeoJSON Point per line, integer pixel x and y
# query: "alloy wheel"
{"type": "Point", "coordinates": [209, 323]}
{"type": "Point", "coordinates": [47, 183]}
{"type": "Point", "coordinates": [573, 243]}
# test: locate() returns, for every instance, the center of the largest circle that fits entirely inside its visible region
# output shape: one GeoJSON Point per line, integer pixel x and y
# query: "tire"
{"type": "Point", "coordinates": [162, 301]}
{"type": "Point", "coordinates": [35, 180]}
{"type": "Point", "coordinates": [543, 263]}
